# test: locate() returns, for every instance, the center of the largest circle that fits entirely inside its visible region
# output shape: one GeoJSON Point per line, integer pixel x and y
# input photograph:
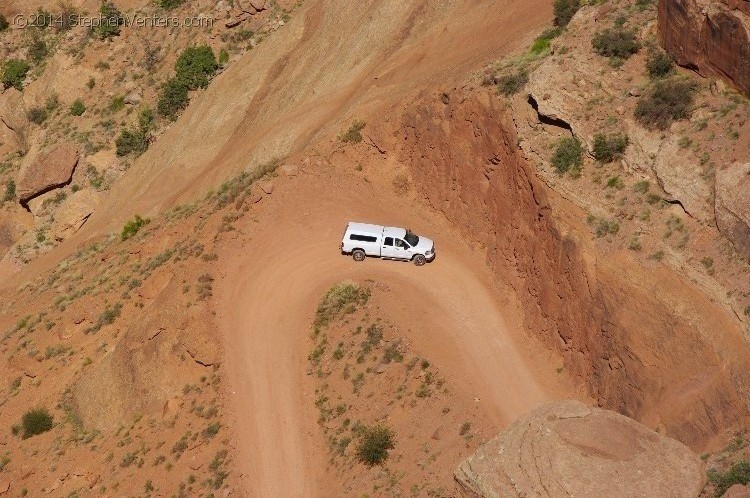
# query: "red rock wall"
{"type": "Point", "coordinates": [646, 344]}
{"type": "Point", "coordinates": [710, 36]}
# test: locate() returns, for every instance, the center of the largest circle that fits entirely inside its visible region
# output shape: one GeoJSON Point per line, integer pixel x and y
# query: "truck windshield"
{"type": "Point", "coordinates": [412, 239]}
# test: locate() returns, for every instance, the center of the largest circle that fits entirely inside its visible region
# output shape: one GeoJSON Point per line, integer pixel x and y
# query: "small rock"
{"type": "Point", "coordinates": [4, 486]}
{"type": "Point", "coordinates": [266, 186]}
{"type": "Point", "coordinates": [634, 92]}
{"type": "Point", "coordinates": [436, 434]}
{"type": "Point", "coordinates": [233, 22]}
{"type": "Point", "coordinates": [290, 170]}
{"type": "Point", "coordinates": [253, 198]}
{"type": "Point", "coordinates": [737, 491]}
{"type": "Point", "coordinates": [133, 98]}
{"type": "Point", "coordinates": [381, 368]}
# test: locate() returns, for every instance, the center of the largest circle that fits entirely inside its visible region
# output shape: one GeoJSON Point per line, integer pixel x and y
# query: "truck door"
{"type": "Point", "coordinates": [402, 249]}
{"type": "Point", "coordinates": [389, 249]}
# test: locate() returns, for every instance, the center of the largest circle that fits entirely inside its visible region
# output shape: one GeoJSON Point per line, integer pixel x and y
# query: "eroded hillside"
{"type": "Point", "coordinates": [177, 334]}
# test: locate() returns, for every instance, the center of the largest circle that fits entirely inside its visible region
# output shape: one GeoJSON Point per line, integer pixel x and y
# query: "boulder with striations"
{"type": "Point", "coordinates": [567, 448]}
{"type": "Point", "coordinates": [51, 169]}
{"type": "Point", "coordinates": [732, 205]}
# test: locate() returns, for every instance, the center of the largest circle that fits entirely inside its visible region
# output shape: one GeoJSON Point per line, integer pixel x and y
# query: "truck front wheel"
{"type": "Point", "coordinates": [358, 255]}
{"type": "Point", "coordinates": [419, 260]}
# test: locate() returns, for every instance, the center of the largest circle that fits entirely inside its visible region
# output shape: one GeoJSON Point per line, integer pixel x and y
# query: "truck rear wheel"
{"type": "Point", "coordinates": [358, 255]}
{"type": "Point", "coordinates": [419, 260]}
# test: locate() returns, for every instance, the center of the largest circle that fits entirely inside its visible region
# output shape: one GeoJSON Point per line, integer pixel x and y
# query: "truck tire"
{"type": "Point", "coordinates": [358, 255]}
{"type": "Point", "coordinates": [419, 260]}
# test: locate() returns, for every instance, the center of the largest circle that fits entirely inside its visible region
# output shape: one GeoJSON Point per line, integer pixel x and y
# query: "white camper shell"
{"type": "Point", "coordinates": [363, 239]}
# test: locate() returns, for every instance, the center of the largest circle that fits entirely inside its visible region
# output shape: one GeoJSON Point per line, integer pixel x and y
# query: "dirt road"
{"type": "Point", "coordinates": [279, 276]}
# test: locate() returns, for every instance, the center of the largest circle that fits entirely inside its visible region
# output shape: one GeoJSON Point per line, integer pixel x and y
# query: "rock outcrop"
{"type": "Point", "coordinates": [712, 36]}
{"type": "Point", "coordinates": [678, 362]}
{"type": "Point", "coordinates": [51, 169]}
{"type": "Point", "coordinates": [567, 449]}
{"type": "Point", "coordinates": [733, 206]}
{"type": "Point", "coordinates": [73, 213]}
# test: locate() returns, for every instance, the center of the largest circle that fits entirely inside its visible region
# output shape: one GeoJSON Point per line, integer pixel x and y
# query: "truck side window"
{"type": "Point", "coordinates": [388, 241]}
{"type": "Point", "coordinates": [400, 243]}
{"type": "Point", "coordinates": [362, 238]}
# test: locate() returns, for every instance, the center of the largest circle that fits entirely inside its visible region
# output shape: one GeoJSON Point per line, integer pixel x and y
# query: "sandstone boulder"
{"type": "Point", "coordinates": [13, 119]}
{"type": "Point", "coordinates": [732, 206]}
{"type": "Point", "coordinates": [74, 212]}
{"type": "Point", "coordinates": [566, 448]}
{"type": "Point", "coordinates": [49, 170]}
{"type": "Point", "coordinates": [737, 491]}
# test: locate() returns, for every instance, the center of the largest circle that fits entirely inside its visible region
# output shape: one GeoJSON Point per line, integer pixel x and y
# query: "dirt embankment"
{"type": "Point", "coordinates": [645, 342]}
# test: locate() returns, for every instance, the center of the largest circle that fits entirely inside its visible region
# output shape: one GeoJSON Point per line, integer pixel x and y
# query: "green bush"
{"type": "Point", "coordinates": [4, 24]}
{"type": "Point", "coordinates": [132, 227]}
{"type": "Point", "coordinates": [14, 73]}
{"type": "Point", "coordinates": [223, 56]}
{"type": "Point", "coordinates": [37, 115]}
{"type": "Point", "coordinates": [374, 444]}
{"type": "Point", "coordinates": [341, 299]}
{"type": "Point", "coordinates": [615, 43]}
{"type": "Point", "coordinates": [77, 108]}
{"type": "Point", "coordinates": [170, 4]}
{"type": "Point", "coordinates": [667, 101]}
{"type": "Point", "coordinates": [568, 155]}
{"type": "Point", "coordinates": [739, 473]}
{"type": "Point", "coordinates": [172, 99]}
{"type": "Point", "coordinates": [10, 191]}
{"type": "Point", "coordinates": [542, 43]}
{"type": "Point", "coordinates": [354, 133]}
{"type": "Point", "coordinates": [195, 67]}
{"type": "Point", "coordinates": [38, 50]}
{"type": "Point", "coordinates": [36, 422]}
{"type": "Point", "coordinates": [607, 148]}
{"type": "Point", "coordinates": [131, 142]}
{"type": "Point", "coordinates": [565, 10]}
{"type": "Point", "coordinates": [659, 64]}
{"type": "Point", "coordinates": [510, 84]}
{"type": "Point", "coordinates": [111, 21]}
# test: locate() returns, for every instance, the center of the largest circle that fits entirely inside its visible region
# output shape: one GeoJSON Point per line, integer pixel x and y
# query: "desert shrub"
{"type": "Point", "coordinates": [36, 422]}
{"type": "Point", "coordinates": [568, 155]}
{"type": "Point", "coordinates": [77, 108]}
{"type": "Point", "coordinates": [4, 24]}
{"type": "Point", "coordinates": [223, 56]}
{"type": "Point", "coordinates": [354, 133]}
{"type": "Point", "coordinates": [111, 21]}
{"type": "Point", "coordinates": [510, 84]}
{"type": "Point", "coordinates": [170, 4]}
{"type": "Point", "coordinates": [739, 473]}
{"type": "Point", "coordinates": [659, 64]}
{"type": "Point", "coordinates": [341, 299]}
{"type": "Point", "coordinates": [133, 141]}
{"type": "Point", "coordinates": [14, 73]}
{"type": "Point", "coordinates": [374, 444]}
{"type": "Point", "coordinates": [117, 103]}
{"type": "Point", "coordinates": [565, 10]}
{"type": "Point", "coordinates": [132, 227]}
{"type": "Point", "coordinates": [38, 50]}
{"type": "Point", "coordinates": [615, 43]}
{"type": "Point", "coordinates": [10, 191]}
{"type": "Point", "coordinates": [607, 148]}
{"type": "Point", "coordinates": [37, 115]}
{"type": "Point", "coordinates": [173, 99]}
{"type": "Point", "coordinates": [542, 43]}
{"type": "Point", "coordinates": [667, 101]}
{"type": "Point", "coordinates": [195, 66]}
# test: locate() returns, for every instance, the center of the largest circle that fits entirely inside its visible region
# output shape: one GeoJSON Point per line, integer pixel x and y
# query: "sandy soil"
{"type": "Point", "coordinates": [283, 266]}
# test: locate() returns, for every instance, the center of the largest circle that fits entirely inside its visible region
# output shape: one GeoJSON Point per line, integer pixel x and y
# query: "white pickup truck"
{"type": "Point", "coordinates": [362, 240]}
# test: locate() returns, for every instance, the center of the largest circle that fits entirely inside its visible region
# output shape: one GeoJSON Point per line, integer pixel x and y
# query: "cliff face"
{"type": "Point", "coordinates": [712, 37]}
{"type": "Point", "coordinates": [646, 343]}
